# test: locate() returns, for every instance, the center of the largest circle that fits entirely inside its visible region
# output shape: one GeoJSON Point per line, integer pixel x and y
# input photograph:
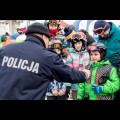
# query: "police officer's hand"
{"type": "Point", "coordinates": [88, 73]}
{"type": "Point", "coordinates": [55, 92]}
{"type": "Point", "coordinates": [65, 51]}
{"type": "Point", "coordinates": [61, 92]}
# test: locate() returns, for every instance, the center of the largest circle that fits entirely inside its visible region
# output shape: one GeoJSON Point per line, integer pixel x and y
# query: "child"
{"type": "Point", "coordinates": [56, 90]}
{"type": "Point", "coordinates": [6, 40]}
{"type": "Point", "coordinates": [53, 26]}
{"type": "Point", "coordinates": [104, 80]}
{"type": "Point", "coordinates": [78, 57]}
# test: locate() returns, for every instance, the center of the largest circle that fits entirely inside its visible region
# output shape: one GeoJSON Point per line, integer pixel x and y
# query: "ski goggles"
{"type": "Point", "coordinates": [93, 48]}
{"type": "Point", "coordinates": [99, 30]}
{"type": "Point", "coordinates": [76, 36]}
{"type": "Point", "coordinates": [57, 46]}
{"type": "Point", "coordinates": [54, 22]}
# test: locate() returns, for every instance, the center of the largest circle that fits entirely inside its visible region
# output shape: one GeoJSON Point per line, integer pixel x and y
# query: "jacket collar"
{"type": "Point", "coordinates": [36, 39]}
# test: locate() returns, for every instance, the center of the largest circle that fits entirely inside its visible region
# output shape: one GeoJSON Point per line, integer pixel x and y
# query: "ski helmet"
{"type": "Point", "coordinates": [100, 47]}
{"type": "Point", "coordinates": [55, 22]}
{"type": "Point", "coordinates": [79, 36]}
{"type": "Point", "coordinates": [56, 44]}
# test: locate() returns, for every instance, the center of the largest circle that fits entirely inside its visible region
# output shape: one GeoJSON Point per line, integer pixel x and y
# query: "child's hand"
{"type": "Point", "coordinates": [55, 92]}
{"type": "Point", "coordinates": [61, 92]}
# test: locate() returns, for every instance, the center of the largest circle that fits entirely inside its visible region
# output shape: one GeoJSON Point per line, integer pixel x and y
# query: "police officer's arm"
{"type": "Point", "coordinates": [63, 73]}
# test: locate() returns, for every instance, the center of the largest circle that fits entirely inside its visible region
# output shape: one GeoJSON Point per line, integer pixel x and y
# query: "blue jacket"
{"type": "Point", "coordinates": [27, 68]}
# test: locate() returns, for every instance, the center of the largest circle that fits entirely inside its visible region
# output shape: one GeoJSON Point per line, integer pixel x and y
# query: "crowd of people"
{"type": "Point", "coordinates": [48, 62]}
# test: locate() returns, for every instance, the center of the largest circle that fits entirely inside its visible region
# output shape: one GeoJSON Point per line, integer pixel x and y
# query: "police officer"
{"type": "Point", "coordinates": [27, 68]}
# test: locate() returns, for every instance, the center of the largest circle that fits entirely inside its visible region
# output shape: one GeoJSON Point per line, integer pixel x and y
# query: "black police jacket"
{"type": "Point", "coordinates": [27, 68]}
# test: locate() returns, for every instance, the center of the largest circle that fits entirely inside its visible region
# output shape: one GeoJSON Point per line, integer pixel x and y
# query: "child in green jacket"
{"type": "Point", "coordinates": [104, 80]}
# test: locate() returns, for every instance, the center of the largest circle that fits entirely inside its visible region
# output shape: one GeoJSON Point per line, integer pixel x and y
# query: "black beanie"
{"type": "Point", "coordinates": [89, 38]}
{"type": "Point", "coordinates": [101, 23]}
{"type": "Point", "coordinates": [38, 28]}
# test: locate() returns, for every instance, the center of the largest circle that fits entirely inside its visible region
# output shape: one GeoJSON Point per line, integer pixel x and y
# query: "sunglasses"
{"type": "Point", "coordinates": [93, 48]}
{"type": "Point", "coordinates": [57, 46]}
{"type": "Point", "coordinates": [99, 30]}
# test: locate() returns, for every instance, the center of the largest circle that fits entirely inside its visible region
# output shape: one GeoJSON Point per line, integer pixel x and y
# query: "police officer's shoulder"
{"type": "Point", "coordinates": [52, 54]}
{"type": "Point", "coordinates": [10, 46]}
{"type": "Point", "coordinates": [51, 50]}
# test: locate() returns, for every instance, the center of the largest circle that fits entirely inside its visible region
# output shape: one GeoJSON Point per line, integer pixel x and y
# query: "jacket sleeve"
{"type": "Point", "coordinates": [86, 59]}
{"type": "Point", "coordinates": [113, 84]}
{"type": "Point", "coordinates": [81, 91]}
{"type": "Point", "coordinates": [63, 73]}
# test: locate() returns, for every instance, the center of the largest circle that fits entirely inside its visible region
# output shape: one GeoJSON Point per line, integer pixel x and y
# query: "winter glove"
{"type": "Point", "coordinates": [97, 89]}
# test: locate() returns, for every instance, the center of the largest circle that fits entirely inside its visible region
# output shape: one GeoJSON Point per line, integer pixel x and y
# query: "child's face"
{"type": "Point", "coordinates": [19, 30]}
{"type": "Point", "coordinates": [78, 45]}
{"type": "Point", "coordinates": [58, 51]}
{"type": "Point", "coordinates": [95, 56]}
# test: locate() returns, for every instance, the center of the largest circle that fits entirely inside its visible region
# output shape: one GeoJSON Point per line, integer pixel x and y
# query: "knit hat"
{"type": "Point", "coordinates": [3, 38]}
{"type": "Point", "coordinates": [101, 23]}
{"type": "Point", "coordinates": [68, 30]}
{"type": "Point", "coordinates": [38, 28]}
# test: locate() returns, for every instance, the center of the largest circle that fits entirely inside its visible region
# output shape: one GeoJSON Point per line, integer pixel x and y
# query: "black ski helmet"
{"type": "Point", "coordinates": [79, 36]}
